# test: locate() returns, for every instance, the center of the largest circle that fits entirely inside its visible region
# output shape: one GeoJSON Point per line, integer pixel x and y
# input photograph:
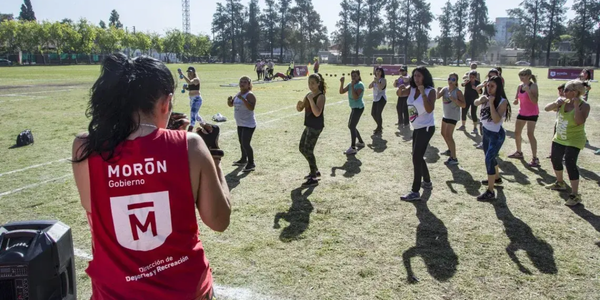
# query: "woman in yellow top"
{"type": "Point", "coordinates": [569, 138]}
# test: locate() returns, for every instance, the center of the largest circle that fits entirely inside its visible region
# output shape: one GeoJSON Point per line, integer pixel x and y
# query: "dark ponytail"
{"type": "Point", "coordinates": [125, 87]}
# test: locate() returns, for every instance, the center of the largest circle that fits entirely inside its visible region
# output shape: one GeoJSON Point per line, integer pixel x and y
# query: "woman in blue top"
{"type": "Point", "coordinates": [356, 90]}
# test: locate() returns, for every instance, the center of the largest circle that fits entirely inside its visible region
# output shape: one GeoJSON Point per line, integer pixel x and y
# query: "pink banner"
{"type": "Point", "coordinates": [389, 69]}
{"type": "Point", "coordinates": [300, 71]}
{"type": "Point", "coordinates": [570, 73]}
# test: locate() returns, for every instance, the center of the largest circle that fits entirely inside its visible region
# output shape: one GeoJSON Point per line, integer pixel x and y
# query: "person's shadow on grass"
{"type": "Point", "coordinates": [508, 168]}
{"type": "Point", "coordinates": [432, 246]}
{"type": "Point", "coordinates": [432, 154]}
{"type": "Point", "coordinates": [460, 176]}
{"type": "Point", "coordinates": [545, 178]}
{"type": "Point", "coordinates": [379, 144]}
{"type": "Point", "coordinates": [589, 175]}
{"type": "Point", "coordinates": [351, 166]}
{"type": "Point", "coordinates": [587, 215]}
{"type": "Point", "coordinates": [521, 237]}
{"type": "Point", "coordinates": [405, 133]}
{"type": "Point", "coordinates": [233, 178]}
{"type": "Point", "coordinates": [298, 215]}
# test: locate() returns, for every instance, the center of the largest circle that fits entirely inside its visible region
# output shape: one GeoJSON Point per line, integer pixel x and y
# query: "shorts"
{"type": "Point", "coordinates": [527, 118]}
{"type": "Point", "coordinates": [449, 121]}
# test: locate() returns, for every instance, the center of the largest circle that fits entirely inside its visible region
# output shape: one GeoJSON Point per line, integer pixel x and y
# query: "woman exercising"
{"type": "Point", "coordinates": [527, 99]}
{"type": "Point", "coordinates": [195, 98]}
{"type": "Point", "coordinates": [313, 106]}
{"type": "Point", "coordinates": [243, 104]}
{"type": "Point", "coordinates": [379, 99]}
{"type": "Point", "coordinates": [355, 90]}
{"type": "Point", "coordinates": [453, 102]}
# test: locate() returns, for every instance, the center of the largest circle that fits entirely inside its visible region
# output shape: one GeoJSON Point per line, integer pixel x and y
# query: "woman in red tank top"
{"type": "Point", "coordinates": [140, 185]}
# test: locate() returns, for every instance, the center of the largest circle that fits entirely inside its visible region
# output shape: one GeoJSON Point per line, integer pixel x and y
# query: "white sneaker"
{"type": "Point", "coordinates": [350, 151]}
{"type": "Point", "coordinates": [360, 145]}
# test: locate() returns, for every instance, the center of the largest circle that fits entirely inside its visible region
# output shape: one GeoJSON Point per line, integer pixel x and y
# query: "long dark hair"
{"type": "Point", "coordinates": [125, 87]}
{"type": "Point", "coordinates": [380, 69]}
{"type": "Point", "coordinates": [500, 94]}
{"type": "Point", "coordinates": [427, 78]}
{"type": "Point", "coordinates": [319, 79]}
{"type": "Point", "coordinates": [588, 73]}
{"type": "Point", "coordinates": [357, 72]}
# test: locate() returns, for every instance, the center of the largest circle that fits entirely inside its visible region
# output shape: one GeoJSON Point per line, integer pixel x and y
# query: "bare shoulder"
{"type": "Point", "coordinates": [78, 143]}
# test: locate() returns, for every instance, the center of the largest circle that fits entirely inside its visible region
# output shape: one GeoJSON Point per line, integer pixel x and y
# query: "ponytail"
{"type": "Point", "coordinates": [322, 84]}
{"type": "Point", "coordinates": [533, 78]}
{"type": "Point", "coordinates": [125, 89]}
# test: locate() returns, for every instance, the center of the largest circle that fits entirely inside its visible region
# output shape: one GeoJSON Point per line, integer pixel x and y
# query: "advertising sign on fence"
{"type": "Point", "coordinates": [389, 69]}
{"type": "Point", "coordinates": [300, 71]}
{"type": "Point", "coordinates": [566, 73]}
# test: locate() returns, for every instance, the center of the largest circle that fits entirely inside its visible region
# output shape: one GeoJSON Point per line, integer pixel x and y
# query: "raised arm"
{"type": "Point", "coordinates": [429, 103]}
{"type": "Point", "coordinates": [582, 111]}
{"type": "Point", "coordinates": [249, 101]}
{"type": "Point", "coordinates": [317, 108]}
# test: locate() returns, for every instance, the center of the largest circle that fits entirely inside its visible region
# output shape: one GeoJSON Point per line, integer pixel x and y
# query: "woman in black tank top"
{"type": "Point", "coordinates": [313, 106]}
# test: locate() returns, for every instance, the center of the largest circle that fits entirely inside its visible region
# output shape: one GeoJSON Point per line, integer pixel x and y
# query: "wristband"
{"type": "Point", "coordinates": [217, 153]}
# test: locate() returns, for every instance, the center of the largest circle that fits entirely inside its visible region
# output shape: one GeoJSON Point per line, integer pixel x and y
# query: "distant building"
{"type": "Point", "coordinates": [503, 32]}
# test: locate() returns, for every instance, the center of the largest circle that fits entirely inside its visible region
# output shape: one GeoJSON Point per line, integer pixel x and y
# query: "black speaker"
{"type": "Point", "coordinates": [37, 261]}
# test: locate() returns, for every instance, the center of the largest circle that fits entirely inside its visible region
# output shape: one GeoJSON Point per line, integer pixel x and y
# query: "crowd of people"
{"type": "Point", "coordinates": [142, 170]}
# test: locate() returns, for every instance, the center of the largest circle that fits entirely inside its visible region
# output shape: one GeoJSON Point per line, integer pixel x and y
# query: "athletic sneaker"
{"type": "Point", "coordinates": [597, 151]}
{"type": "Point", "coordinates": [310, 176]}
{"type": "Point", "coordinates": [350, 151]}
{"type": "Point", "coordinates": [535, 163]}
{"type": "Point", "coordinates": [557, 186]}
{"type": "Point", "coordinates": [462, 128]}
{"type": "Point", "coordinates": [249, 168]}
{"type": "Point", "coordinates": [517, 154]}
{"type": "Point", "coordinates": [427, 185]}
{"type": "Point", "coordinates": [475, 131]}
{"type": "Point", "coordinates": [486, 196]}
{"type": "Point", "coordinates": [451, 161]}
{"type": "Point", "coordinates": [360, 145]}
{"type": "Point", "coordinates": [447, 152]}
{"type": "Point", "coordinates": [479, 146]}
{"type": "Point", "coordinates": [310, 182]}
{"type": "Point", "coordinates": [497, 181]}
{"type": "Point", "coordinates": [573, 200]}
{"type": "Point", "coordinates": [412, 196]}
{"type": "Point", "coordinates": [240, 163]}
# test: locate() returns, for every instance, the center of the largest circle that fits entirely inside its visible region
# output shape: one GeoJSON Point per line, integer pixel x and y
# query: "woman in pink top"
{"type": "Point", "coordinates": [527, 98]}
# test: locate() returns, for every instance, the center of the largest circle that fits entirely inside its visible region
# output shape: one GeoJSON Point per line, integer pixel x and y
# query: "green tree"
{"type": "Point", "coordinates": [421, 22]}
{"type": "Point", "coordinates": [356, 23]}
{"type": "Point", "coordinates": [27, 13]}
{"type": "Point", "coordinates": [254, 29]}
{"type": "Point", "coordinates": [9, 30]}
{"type": "Point", "coordinates": [531, 24]}
{"type": "Point", "coordinates": [59, 34]}
{"type": "Point", "coordinates": [269, 19]}
{"type": "Point", "coordinates": [87, 37]}
{"type": "Point", "coordinates": [393, 34]}
{"type": "Point", "coordinates": [374, 33]}
{"type": "Point", "coordinates": [45, 39]}
{"type": "Point", "coordinates": [113, 20]}
{"type": "Point", "coordinates": [480, 28]}
{"type": "Point", "coordinates": [142, 42]}
{"type": "Point", "coordinates": [174, 41]}
{"type": "Point", "coordinates": [284, 15]}
{"type": "Point", "coordinates": [459, 22]}
{"type": "Point", "coordinates": [445, 40]}
{"type": "Point", "coordinates": [6, 17]}
{"type": "Point", "coordinates": [28, 39]}
{"type": "Point", "coordinates": [343, 36]}
{"type": "Point", "coordinates": [581, 27]}
{"type": "Point", "coordinates": [102, 24]}
{"type": "Point", "coordinates": [156, 42]}
{"type": "Point", "coordinates": [555, 14]}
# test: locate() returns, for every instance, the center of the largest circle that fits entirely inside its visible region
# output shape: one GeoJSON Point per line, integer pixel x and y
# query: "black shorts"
{"type": "Point", "coordinates": [527, 118]}
{"type": "Point", "coordinates": [449, 121]}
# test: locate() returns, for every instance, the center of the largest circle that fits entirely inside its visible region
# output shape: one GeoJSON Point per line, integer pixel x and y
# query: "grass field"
{"type": "Point", "coordinates": [351, 237]}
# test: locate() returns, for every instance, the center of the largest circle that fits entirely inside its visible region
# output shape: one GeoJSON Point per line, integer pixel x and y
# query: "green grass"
{"type": "Point", "coordinates": [349, 237]}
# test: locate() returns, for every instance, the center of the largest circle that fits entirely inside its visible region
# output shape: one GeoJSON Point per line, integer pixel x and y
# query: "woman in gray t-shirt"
{"type": "Point", "coordinates": [453, 102]}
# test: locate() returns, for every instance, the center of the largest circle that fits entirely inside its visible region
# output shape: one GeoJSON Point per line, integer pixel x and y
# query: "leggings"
{"type": "Point", "coordinates": [465, 110]}
{"type": "Point", "coordinates": [492, 142]}
{"type": "Point", "coordinates": [352, 123]}
{"type": "Point", "coordinates": [402, 110]}
{"type": "Point", "coordinates": [570, 154]}
{"type": "Point", "coordinates": [420, 141]}
{"type": "Point", "coordinates": [308, 141]}
{"type": "Point", "coordinates": [245, 137]}
{"type": "Point", "coordinates": [377, 111]}
{"type": "Point", "coordinates": [195, 104]}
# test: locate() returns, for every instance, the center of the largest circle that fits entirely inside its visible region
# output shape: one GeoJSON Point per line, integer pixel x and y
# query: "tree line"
{"type": "Point", "coordinates": [82, 37]}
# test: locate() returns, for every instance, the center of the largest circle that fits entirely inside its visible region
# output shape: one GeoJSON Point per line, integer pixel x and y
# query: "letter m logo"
{"type": "Point", "coordinates": [142, 222]}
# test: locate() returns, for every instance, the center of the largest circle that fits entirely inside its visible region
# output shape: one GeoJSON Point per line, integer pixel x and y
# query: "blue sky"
{"type": "Point", "coordinates": [159, 15]}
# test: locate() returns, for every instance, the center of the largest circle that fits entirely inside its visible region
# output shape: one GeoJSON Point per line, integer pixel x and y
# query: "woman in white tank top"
{"type": "Point", "coordinates": [421, 102]}
{"type": "Point", "coordinates": [243, 104]}
{"type": "Point", "coordinates": [378, 85]}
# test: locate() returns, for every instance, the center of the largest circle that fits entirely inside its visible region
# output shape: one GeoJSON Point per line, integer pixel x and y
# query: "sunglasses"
{"type": "Point", "coordinates": [451, 78]}
{"type": "Point", "coordinates": [521, 75]}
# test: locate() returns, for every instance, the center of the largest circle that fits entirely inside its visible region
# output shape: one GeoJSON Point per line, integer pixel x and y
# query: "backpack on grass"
{"type": "Point", "coordinates": [24, 138]}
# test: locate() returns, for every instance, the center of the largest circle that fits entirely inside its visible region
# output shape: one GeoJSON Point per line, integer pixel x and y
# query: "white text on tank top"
{"type": "Point", "coordinates": [378, 93]}
{"type": "Point", "coordinates": [485, 115]}
{"type": "Point", "coordinates": [417, 114]}
{"type": "Point", "coordinates": [243, 116]}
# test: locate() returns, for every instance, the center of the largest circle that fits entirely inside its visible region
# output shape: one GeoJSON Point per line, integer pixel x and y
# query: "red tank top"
{"type": "Point", "coordinates": [143, 221]}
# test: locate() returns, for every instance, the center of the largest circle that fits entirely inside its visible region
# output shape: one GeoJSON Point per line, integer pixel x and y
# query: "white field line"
{"type": "Point", "coordinates": [33, 167]}
{"type": "Point", "coordinates": [35, 185]}
{"type": "Point", "coordinates": [32, 93]}
{"type": "Point", "coordinates": [220, 290]}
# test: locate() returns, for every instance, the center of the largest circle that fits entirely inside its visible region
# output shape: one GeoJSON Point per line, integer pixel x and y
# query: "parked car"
{"type": "Point", "coordinates": [5, 62]}
{"type": "Point", "coordinates": [522, 63]}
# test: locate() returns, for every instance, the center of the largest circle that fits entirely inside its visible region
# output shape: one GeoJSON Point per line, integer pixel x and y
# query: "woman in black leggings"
{"type": "Point", "coordinates": [379, 99]}
{"type": "Point", "coordinates": [569, 138]}
{"type": "Point", "coordinates": [402, 93]}
{"type": "Point", "coordinates": [243, 104]}
{"type": "Point", "coordinates": [471, 95]}
{"type": "Point", "coordinates": [356, 90]}
{"type": "Point", "coordinates": [421, 102]}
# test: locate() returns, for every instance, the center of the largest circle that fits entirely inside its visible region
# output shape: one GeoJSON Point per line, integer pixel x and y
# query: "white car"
{"type": "Point", "coordinates": [522, 63]}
